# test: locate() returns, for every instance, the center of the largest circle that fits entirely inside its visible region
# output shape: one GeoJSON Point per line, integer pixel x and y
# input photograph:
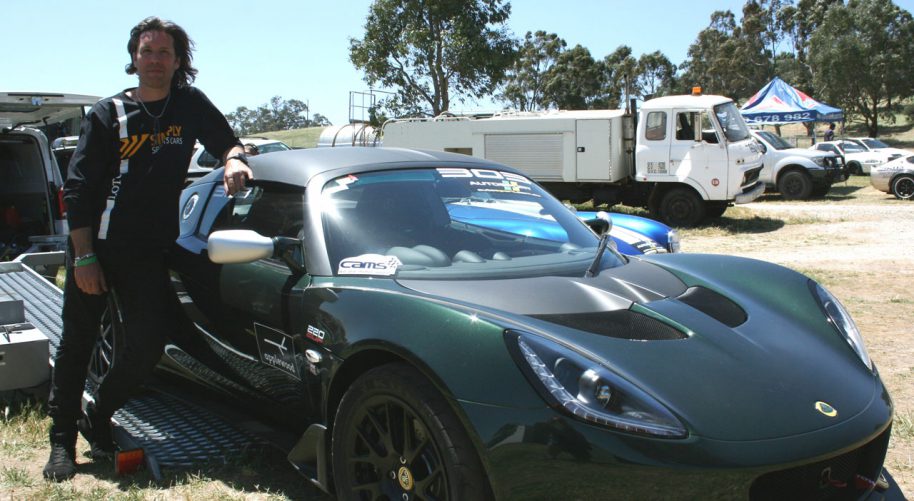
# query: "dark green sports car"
{"type": "Point", "coordinates": [420, 356]}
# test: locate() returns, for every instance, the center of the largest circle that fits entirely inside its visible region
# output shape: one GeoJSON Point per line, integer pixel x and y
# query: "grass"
{"type": "Point", "coordinates": [296, 138]}
{"type": "Point", "coordinates": [903, 426]}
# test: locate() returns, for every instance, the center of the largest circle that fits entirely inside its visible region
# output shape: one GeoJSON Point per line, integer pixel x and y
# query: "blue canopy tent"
{"type": "Point", "coordinates": [779, 103]}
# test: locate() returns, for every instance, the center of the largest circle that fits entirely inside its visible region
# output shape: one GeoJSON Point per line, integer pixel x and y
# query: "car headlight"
{"type": "Point", "coordinates": [841, 320]}
{"type": "Point", "coordinates": [820, 161]}
{"type": "Point", "coordinates": [588, 391]}
{"type": "Point", "coordinates": [672, 241]}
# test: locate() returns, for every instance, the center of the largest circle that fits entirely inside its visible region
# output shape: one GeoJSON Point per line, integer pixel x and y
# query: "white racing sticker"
{"type": "Point", "coordinates": [369, 264]}
{"type": "Point", "coordinates": [486, 174]}
{"type": "Point", "coordinates": [315, 334]}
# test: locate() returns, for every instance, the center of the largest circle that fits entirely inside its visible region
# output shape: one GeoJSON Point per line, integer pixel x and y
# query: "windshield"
{"type": "Point", "coordinates": [850, 147]}
{"type": "Point", "coordinates": [875, 144]}
{"type": "Point", "coordinates": [775, 140]}
{"type": "Point", "coordinates": [452, 223]}
{"type": "Point", "coordinates": [731, 122]}
{"type": "Point", "coordinates": [271, 147]}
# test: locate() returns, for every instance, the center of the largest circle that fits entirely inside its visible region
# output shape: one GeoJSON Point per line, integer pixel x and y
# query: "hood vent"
{"type": "Point", "coordinates": [622, 324]}
{"type": "Point", "coordinates": [714, 305]}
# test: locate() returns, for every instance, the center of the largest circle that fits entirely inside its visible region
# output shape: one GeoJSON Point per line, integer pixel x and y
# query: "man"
{"type": "Point", "coordinates": [122, 192]}
{"type": "Point", "coordinates": [830, 133]}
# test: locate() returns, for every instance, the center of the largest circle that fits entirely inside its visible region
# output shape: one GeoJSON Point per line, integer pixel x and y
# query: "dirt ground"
{"type": "Point", "coordinates": [859, 242]}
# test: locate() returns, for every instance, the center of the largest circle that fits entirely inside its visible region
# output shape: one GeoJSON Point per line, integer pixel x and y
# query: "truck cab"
{"type": "Point", "coordinates": [698, 151]}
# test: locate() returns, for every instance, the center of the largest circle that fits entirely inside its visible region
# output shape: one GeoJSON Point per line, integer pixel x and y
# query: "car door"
{"type": "Point", "coordinates": [249, 314]}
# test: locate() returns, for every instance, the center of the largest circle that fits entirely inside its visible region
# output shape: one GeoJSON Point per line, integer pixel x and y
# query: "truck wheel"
{"type": "Point", "coordinates": [715, 209]}
{"type": "Point", "coordinates": [110, 339]}
{"type": "Point", "coordinates": [795, 185]}
{"type": "Point", "coordinates": [395, 437]}
{"type": "Point", "coordinates": [682, 207]}
{"type": "Point", "coordinates": [903, 187]}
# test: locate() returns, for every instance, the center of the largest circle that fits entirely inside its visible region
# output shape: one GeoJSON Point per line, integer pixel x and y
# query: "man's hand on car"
{"type": "Point", "coordinates": [236, 171]}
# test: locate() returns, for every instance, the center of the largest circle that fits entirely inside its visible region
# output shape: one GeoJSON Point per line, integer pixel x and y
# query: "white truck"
{"type": "Point", "coordinates": [686, 158]}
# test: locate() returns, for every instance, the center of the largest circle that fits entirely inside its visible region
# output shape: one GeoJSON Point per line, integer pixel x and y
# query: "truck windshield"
{"type": "Point", "coordinates": [731, 122]}
{"type": "Point", "coordinates": [776, 141]}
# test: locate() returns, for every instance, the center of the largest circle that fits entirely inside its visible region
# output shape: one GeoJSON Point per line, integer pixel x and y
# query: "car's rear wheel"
{"type": "Point", "coordinates": [110, 339]}
{"type": "Point", "coordinates": [855, 168]}
{"type": "Point", "coordinates": [903, 187]}
{"type": "Point", "coordinates": [395, 437]}
{"type": "Point", "coordinates": [795, 185]}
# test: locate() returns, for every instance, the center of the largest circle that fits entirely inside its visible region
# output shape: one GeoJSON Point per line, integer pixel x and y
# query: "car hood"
{"type": "Point", "coordinates": [41, 107]}
{"type": "Point", "coordinates": [728, 377]}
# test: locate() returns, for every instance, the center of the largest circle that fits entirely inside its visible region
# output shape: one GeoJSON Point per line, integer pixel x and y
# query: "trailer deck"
{"type": "Point", "coordinates": [173, 432]}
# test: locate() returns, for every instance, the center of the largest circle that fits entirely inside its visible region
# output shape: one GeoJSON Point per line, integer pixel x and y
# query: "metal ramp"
{"type": "Point", "coordinates": [173, 432]}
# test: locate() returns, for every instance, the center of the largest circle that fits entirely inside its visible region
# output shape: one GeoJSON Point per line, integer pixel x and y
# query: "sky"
{"type": "Point", "coordinates": [248, 52]}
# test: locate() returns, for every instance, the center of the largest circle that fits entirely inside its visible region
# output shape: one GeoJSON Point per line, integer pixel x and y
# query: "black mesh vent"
{"type": "Point", "coordinates": [832, 479]}
{"type": "Point", "coordinates": [623, 324]}
{"type": "Point", "coordinates": [714, 305]}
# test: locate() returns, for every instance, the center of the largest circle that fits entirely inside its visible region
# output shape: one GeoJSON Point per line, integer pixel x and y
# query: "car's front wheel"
{"type": "Point", "coordinates": [903, 187]}
{"type": "Point", "coordinates": [795, 185]}
{"type": "Point", "coordinates": [395, 437]}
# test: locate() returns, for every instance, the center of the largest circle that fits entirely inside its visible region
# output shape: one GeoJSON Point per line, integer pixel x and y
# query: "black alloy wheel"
{"type": "Point", "coordinates": [855, 168]}
{"type": "Point", "coordinates": [795, 185]}
{"type": "Point", "coordinates": [903, 187]}
{"type": "Point", "coordinates": [110, 339]}
{"type": "Point", "coordinates": [395, 438]}
{"type": "Point", "coordinates": [682, 207]}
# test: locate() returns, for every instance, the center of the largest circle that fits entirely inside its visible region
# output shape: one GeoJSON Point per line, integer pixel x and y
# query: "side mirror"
{"type": "Point", "coordinates": [247, 246]}
{"type": "Point", "coordinates": [238, 246]}
{"type": "Point", "coordinates": [601, 225]}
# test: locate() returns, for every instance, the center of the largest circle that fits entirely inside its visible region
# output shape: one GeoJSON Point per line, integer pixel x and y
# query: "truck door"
{"type": "Point", "coordinates": [698, 154]}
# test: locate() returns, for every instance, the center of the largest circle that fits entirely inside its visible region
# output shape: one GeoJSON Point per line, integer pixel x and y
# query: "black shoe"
{"type": "Point", "coordinates": [62, 463]}
{"type": "Point", "coordinates": [97, 432]}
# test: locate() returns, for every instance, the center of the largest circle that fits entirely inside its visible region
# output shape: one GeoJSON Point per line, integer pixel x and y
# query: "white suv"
{"type": "Point", "coordinates": [31, 202]}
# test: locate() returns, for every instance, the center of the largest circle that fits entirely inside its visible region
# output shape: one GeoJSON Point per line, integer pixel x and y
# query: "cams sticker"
{"type": "Point", "coordinates": [276, 349]}
{"type": "Point", "coordinates": [369, 264]}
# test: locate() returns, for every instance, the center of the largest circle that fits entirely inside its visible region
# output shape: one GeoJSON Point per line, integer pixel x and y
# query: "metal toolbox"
{"type": "Point", "coordinates": [23, 348]}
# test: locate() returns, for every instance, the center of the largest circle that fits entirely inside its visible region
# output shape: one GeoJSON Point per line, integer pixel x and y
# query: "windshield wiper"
{"type": "Point", "coordinates": [601, 227]}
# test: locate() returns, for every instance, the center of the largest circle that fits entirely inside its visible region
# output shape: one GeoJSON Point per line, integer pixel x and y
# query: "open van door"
{"type": "Point", "coordinates": [31, 209]}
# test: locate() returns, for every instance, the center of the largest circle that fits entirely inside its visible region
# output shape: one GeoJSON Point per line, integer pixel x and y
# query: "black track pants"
{"type": "Point", "coordinates": [139, 277]}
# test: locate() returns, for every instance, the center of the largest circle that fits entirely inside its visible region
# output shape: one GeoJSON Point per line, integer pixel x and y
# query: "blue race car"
{"type": "Point", "coordinates": [632, 235]}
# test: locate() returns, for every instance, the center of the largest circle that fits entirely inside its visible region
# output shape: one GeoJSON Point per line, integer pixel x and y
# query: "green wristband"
{"type": "Point", "coordinates": [83, 261]}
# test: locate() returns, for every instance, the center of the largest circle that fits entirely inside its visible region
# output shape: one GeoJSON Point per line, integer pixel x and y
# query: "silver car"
{"type": "Point", "coordinates": [895, 177]}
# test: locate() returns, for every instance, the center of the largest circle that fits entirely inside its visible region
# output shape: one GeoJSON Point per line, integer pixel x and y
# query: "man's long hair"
{"type": "Point", "coordinates": [184, 47]}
